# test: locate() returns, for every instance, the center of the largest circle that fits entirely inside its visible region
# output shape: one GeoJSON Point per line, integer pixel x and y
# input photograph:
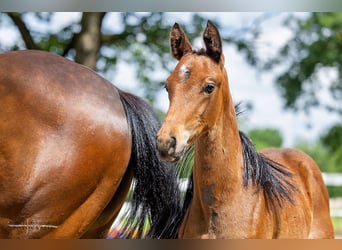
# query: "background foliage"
{"type": "Point", "coordinates": [141, 40]}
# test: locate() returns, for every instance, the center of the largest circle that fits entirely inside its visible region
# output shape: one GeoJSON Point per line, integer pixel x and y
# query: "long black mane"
{"type": "Point", "coordinates": [269, 177]}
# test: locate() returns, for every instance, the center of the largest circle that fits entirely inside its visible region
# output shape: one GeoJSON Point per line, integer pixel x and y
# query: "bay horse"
{"type": "Point", "coordinates": [70, 145]}
{"type": "Point", "coordinates": [237, 192]}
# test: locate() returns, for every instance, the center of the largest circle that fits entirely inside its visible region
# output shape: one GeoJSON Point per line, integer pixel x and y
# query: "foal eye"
{"type": "Point", "coordinates": [209, 88]}
{"type": "Point", "coordinates": [165, 87]}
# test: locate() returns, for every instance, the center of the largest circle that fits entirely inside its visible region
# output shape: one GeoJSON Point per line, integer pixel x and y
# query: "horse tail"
{"type": "Point", "coordinates": [156, 206]}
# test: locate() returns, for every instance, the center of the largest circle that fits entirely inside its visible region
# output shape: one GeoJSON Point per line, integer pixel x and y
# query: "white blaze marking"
{"type": "Point", "coordinates": [184, 72]}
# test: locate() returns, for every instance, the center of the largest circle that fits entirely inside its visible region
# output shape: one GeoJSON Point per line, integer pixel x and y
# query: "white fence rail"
{"type": "Point", "coordinates": [334, 180]}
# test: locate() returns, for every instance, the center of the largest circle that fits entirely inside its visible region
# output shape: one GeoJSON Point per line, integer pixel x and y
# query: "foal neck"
{"type": "Point", "coordinates": [218, 169]}
{"type": "Point", "coordinates": [218, 174]}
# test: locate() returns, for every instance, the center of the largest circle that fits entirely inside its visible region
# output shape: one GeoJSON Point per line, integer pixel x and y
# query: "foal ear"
{"type": "Point", "coordinates": [212, 41]}
{"type": "Point", "coordinates": [180, 44]}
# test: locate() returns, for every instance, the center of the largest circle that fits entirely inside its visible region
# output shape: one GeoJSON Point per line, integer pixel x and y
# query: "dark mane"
{"type": "Point", "coordinates": [200, 52]}
{"type": "Point", "coordinates": [269, 177]}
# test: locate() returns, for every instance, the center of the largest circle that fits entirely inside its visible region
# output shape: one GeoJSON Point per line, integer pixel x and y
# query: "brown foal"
{"type": "Point", "coordinates": [238, 192]}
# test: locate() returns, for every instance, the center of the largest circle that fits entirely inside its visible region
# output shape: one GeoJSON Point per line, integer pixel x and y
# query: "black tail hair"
{"type": "Point", "coordinates": [156, 198]}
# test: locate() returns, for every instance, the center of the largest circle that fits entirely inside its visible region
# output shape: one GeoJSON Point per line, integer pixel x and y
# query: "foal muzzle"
{"type": "Point", "coordinates": [169, 148]}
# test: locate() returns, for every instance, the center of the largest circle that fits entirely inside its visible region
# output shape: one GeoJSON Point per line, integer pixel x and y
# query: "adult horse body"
{"type": "Point", "coordinates": [70, 144]}
{"type": "Point", "coordinates": [238, 192]}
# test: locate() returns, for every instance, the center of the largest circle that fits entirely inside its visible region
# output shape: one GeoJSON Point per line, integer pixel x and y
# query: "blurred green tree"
{"type": "Point", "coordinates": [313, 52]}
{"type": "Point", "coordinates": [314, 48]}
{"type": "Point", "coordinates": [265, 138]}
{"type": "Point", "coordinates": [333, 139]}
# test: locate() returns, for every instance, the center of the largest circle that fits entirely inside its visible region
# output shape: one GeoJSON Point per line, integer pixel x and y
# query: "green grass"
{"type": "Point", "coordinates": [337, 222]}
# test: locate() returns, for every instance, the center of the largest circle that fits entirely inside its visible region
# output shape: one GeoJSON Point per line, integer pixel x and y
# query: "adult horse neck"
{"type": "Point", "coordinates": [238, 193]}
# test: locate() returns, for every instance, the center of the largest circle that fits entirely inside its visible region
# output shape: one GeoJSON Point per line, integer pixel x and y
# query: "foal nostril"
{"type": "Point", "coordinates": [173, 142]}
{"type": "Point", "coordinates": [172, 145]}
{"type": "Point", "coordinates": [166, 146]}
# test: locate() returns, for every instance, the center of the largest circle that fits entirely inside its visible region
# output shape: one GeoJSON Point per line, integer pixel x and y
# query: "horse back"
{"type": "Point", "coordinates": [310, 193]}
{"type": "Point", "coordinates": [64, 145]}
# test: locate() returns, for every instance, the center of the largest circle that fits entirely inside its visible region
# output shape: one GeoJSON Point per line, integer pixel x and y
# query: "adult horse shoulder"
{"type": "Point", "coordinates": [68, 151]}
{"type": "Point", "coordinates": [238, 192]}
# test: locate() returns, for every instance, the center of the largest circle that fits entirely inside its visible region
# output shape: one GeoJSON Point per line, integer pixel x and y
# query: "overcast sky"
{"type": "Point", "coordinates": [247, 85]}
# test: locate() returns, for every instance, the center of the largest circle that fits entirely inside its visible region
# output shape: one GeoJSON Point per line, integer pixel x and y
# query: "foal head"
{"type": "Point", "coordinates": [197, 89]}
